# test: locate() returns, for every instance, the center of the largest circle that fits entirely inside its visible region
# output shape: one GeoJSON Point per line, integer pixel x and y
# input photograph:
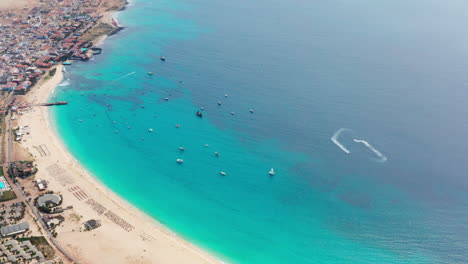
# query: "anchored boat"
{"type": "Point", "coordinates": [271, 172]}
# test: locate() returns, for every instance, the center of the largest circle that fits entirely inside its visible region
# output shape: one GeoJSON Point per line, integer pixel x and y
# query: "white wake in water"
{"type": "Point", "coordinates": [125, 76]}
{"type": "Point", "coordinates": [65, 83]}
{"type": "Point", "coordinates": [334, 139]}
{"type": "Point", "coordinates": [369, 146]}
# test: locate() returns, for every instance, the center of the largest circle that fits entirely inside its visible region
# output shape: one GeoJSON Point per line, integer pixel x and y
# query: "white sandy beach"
{"type": "Point", "coordinates": [13, 4]}
{"type": "Point", "coordinates": [127, 235]}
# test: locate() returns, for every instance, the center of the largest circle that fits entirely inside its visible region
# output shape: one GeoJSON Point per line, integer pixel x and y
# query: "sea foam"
{"type": "Point", "coordinates": [382, 157]}
{"type": "Point", "coordinates": [334, 139]}
{"type": "Point", "coordinates": [65, 83]}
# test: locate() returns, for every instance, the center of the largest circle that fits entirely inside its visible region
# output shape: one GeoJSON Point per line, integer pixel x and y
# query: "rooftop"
{"type": "Point", "coordinates": [49, 198]}
{"type": "Point", "coordinates": [14, 229]}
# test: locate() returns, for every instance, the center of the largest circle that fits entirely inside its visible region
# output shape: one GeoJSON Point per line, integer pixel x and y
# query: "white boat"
{"type": "Point", "coordinates": [181, 149]}
{"type": "Point", "coordinates": [150, 130]}
{"type": "Point", "coordinates": [216, 154]}
{"type": "Point", "coordinates": [180, 161]}
{"type": "Point", "coordinates": [271, 172]}
{"type": "Point", "coordinates": [223, 173]}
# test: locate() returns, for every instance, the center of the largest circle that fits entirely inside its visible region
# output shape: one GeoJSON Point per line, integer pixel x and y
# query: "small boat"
{"type": "Point", "coordinates": [199, 114]}
{"type": "Point", "coordinates": [223, 173]}
{"type": "Point", "coordinates": [271, 172]}
{"type": "Point", "coordinates": [180, 161]}
{"type": "Point", "coordinates": [216, 154]}
{"type": "Point", "coordinates": [162, 58]}
{"type": "Point", "coordinates": [251, 111]}
{"type": "Point", "coordinates": [150, 130]}
{"type": "Point", "coordinates": [232, 113]}
{"type": "Point", "coordinates": [219, 103]}
{"type": "Point", "coordinates": [202, 108]}
{"type": "Point", "coordinates": [166, 99]}
{"type": "Point", "coordinates": [181, 149]}
{"type": "Point", "coordinates": [81, 120]}
{"type": "Point", "coordinates": [225, 95]}
{"type": "Point", "coordinates": [150, 73]}
{"type": "Point", "coordinates": [206, 145]}
{"type": "Point", "coordinates": [177, 125]}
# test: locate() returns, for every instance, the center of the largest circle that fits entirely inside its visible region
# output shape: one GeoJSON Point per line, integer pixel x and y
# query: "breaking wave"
{"type": "Point", "coordinates": [65, 83]}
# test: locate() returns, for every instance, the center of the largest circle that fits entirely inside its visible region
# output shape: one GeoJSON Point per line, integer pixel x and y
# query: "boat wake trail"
{"type": "Point", "coordinates": [334, 139]}
{"type": "Point", "coordinates": [65, 83]}
{"type": "Point", "coordinates": [369, 146]}
{"type": "Point", "coordinates": [125, 76]}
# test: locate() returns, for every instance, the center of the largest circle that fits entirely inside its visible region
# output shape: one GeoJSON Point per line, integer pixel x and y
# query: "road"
{"type": "Point", "coordinates": [17, 188]}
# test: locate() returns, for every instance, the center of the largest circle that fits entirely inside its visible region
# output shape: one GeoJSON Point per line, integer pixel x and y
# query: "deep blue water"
{"type": "Point", "coordinates": [392, 72]}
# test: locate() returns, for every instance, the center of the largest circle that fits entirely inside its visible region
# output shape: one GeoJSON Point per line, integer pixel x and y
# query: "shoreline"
{"type": "Point", "coordinates": [174, 248]}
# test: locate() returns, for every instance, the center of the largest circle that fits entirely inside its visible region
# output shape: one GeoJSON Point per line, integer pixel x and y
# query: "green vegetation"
{"type": "Point", "coordinates": [1, 171]}
{"type": "Point", "coordinates": [52, 72]}
{"type": "Point", "coordinates": [45, 209]}
{"type": "Point", "coordinates": [42, 245]}
{"type": "Point", "coordinates": [100, 30]}
{"type": "Point", "coordinates": [114, 7]}
{"type": "Point", "coordinates": [8, 195]}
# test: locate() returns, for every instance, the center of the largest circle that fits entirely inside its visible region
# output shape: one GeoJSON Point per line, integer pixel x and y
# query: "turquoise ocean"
{"type": "Point", "coordinates": [388, 78]}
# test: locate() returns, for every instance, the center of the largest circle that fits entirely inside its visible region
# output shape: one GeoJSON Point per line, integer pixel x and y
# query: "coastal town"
{"type": "Point", "coordinates": [51, 209]}
{"type": "Point", "coordinates": [54, 211]}
{"type": "Point", "coordinates": [35, 41]}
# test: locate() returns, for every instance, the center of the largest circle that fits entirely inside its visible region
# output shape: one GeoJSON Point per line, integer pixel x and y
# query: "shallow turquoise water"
{"type": "Point", "coordinates": [332, 64]}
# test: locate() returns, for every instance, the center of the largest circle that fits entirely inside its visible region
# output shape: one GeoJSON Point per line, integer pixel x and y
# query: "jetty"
{"type": "Point", "coordinates": [54, 103]}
